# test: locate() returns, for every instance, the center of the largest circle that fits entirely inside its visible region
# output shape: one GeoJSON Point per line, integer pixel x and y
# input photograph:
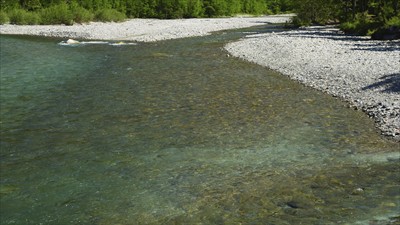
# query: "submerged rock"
{"type": "Point", "coordinates": [362, 72]}
{"type": "Point", "coordinates": [72, 41]}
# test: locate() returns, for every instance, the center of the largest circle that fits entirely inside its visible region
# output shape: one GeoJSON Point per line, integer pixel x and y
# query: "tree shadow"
{"type": "Point", "coordinates": [324, 33]}
{"type": "Point", "coordinates": [357, 42]}
{"type": "Point", "coordinates": [378, 46]}
{"type": "Point", "coordinates": [390, 83]}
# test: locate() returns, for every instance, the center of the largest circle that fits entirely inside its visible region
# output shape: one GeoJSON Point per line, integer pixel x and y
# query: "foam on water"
{"type": "Point", "coordinates": [72, 42]}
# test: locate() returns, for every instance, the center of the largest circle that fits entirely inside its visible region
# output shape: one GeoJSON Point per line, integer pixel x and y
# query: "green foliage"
{"type": "Point", "coordinates": [279, 6]}
{"type": "Point", "coordinates": [8, 5]}
{"type": "Point", "coordinates": [149, 8]}
{"type": "Point", "coordinates": [141, 8]}
{"type": "Point", "coordinates": [96, 5]}
{"type": "Point", "coordinates": [80, 14]}
{"type": "Point", "coordinates": [194, 9]}
{"type": "Point", "coordinates": [298, 22]}
{"type": "Point", "coordinates": [356, 16]}
{"type": "Point", "coordinates": [234, 7]}
{"type": "Point", "coordinates": [363, 24]}
{"type": "Point", "coordinates": [31, 5]}
{"type": "Point", "coordinates": [393, 22]}
{"type": "Point", "coordinates": [215, 8]}
{"type": "Point", "coordinates": [57, 14]}
{"type": "Point", "coordinates": [3, 17]}
{"type": "Point", "coordinates": [170, 9]}
{"type": "Point", "coordinates": [391, 30]}
{"type": "Point", "coordinates": [108, 15]}
{"type": "Point", "coordinates": [209, 11]}
{"type": "Point", "coordinates": [361, 17]}
{"type": "Point", "coordinates": [255, 7]}
{"type": "Point", "coordinates": [315, 11]}
{"type": "Point", "coordinates": [348, 27]}
{"type": "Point", "coordinates": [80, 11]}
{"type": "Point", "coordinates": [22, 17]}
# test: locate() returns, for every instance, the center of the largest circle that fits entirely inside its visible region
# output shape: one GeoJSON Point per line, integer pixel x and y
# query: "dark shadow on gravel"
{"type": "Point", "coordinates": [360, 43]}
{"type": "Point", "coordinates": [378, 46]}
{"type": "Point", "coordinates": [390, 83]}
{"type": "Point", "coordinates": [328, 34]}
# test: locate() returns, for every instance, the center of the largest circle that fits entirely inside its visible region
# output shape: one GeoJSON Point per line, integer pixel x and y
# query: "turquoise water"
{"type": "Point", "coordinates": [177, 132]}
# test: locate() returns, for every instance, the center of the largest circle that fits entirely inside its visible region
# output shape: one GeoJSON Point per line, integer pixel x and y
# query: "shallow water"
{"type": "Point", "coordinates": [177, 132]}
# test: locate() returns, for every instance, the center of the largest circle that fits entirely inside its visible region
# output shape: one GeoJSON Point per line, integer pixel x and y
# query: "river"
{"type": "Point", "coordinates": [178, 132]}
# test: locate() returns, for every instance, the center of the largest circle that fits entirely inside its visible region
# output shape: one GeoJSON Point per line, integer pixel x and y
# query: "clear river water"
{"type": "Point", "coordinates": [178, 132]}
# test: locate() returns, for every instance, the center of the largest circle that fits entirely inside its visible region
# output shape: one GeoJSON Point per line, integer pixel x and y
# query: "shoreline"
{"type": "Point", "coordinates": [142, 30]}
{"type": "Point", "coordinates": [362, 72]}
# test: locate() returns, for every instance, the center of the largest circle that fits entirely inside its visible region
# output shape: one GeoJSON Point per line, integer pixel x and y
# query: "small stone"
{"type": "Point", "coordinates": [389, 204]}
{"type": "Point", "coordinates": [357, 191]}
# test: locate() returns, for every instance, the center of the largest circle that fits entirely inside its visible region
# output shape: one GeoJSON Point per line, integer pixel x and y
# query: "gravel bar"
{"type": "Point", "coordinates": [142, 30]}
{"type": "Point", "coordinates": [361, 71]}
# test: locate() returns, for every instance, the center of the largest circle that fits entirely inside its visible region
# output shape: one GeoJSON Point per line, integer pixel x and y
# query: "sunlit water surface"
{"type": "Point", "coordinates": [177, 132]}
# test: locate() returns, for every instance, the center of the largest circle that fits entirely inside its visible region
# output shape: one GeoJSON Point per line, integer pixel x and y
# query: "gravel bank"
{"type": "Point", "coordinates": [142, 30]}
{"type": "Point", "coordinates": [363, 72]}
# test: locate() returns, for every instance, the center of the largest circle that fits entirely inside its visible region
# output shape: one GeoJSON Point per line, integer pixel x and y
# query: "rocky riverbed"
{"type": "Point", "coordinates": [363, 72]}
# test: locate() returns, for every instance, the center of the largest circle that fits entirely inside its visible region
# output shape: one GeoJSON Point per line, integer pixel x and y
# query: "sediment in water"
{"type": "Point", "coordinates": [361, 71]}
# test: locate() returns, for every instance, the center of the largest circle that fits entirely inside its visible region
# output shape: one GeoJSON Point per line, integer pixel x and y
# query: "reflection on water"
{"type": "Point", "coordinates": [177, 132]}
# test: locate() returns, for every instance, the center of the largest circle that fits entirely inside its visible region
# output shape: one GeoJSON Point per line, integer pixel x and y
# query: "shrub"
{"type": "Point", "coordinates": [81, 15]}
{"type": "Point", "coordinates": [390, 30]}
{"type": "Point", "coordinates": [32, 18]}
{"type": "Point", "coordinates": [57, 14]}
{"type": "Point", "coordinates": [109, 15]}
{"type": "Point", "coordinates": [194, 9]}
{"type": "Point", "coordinates": [315, 12]}
{"type": "Point", "coordinates": [22, 17]}
{"type": "Point", "coordinates": [209, 11]}
{"type": "Point", "coordinates": [393, 22]}
{"type": "Point", "coordinates": [361, 25]}
{"type": "Point", "coordinates": [348, 27]}
{"type": "Point", "coordinates": [299, 22]}
{"type": "Point", "coordinates": [3, 17]}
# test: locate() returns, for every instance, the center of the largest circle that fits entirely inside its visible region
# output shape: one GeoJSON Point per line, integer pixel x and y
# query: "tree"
{"type": "Point", "coordinates": [31, 5]}
{"type": "Point", "coordinates": [316, 11]}
{"type": "Point", "coordinates": [194, 8]}
{"type": "Point", "coordinates": [9, 4]}
{"type": "Point", "coordinates": [234, 7]}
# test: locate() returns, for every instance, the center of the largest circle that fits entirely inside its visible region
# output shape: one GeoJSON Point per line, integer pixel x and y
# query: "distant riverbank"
{"type": "Point", "coordinates": [363, 72]}
{"type": "Point", "coordinates": [143, 30]}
